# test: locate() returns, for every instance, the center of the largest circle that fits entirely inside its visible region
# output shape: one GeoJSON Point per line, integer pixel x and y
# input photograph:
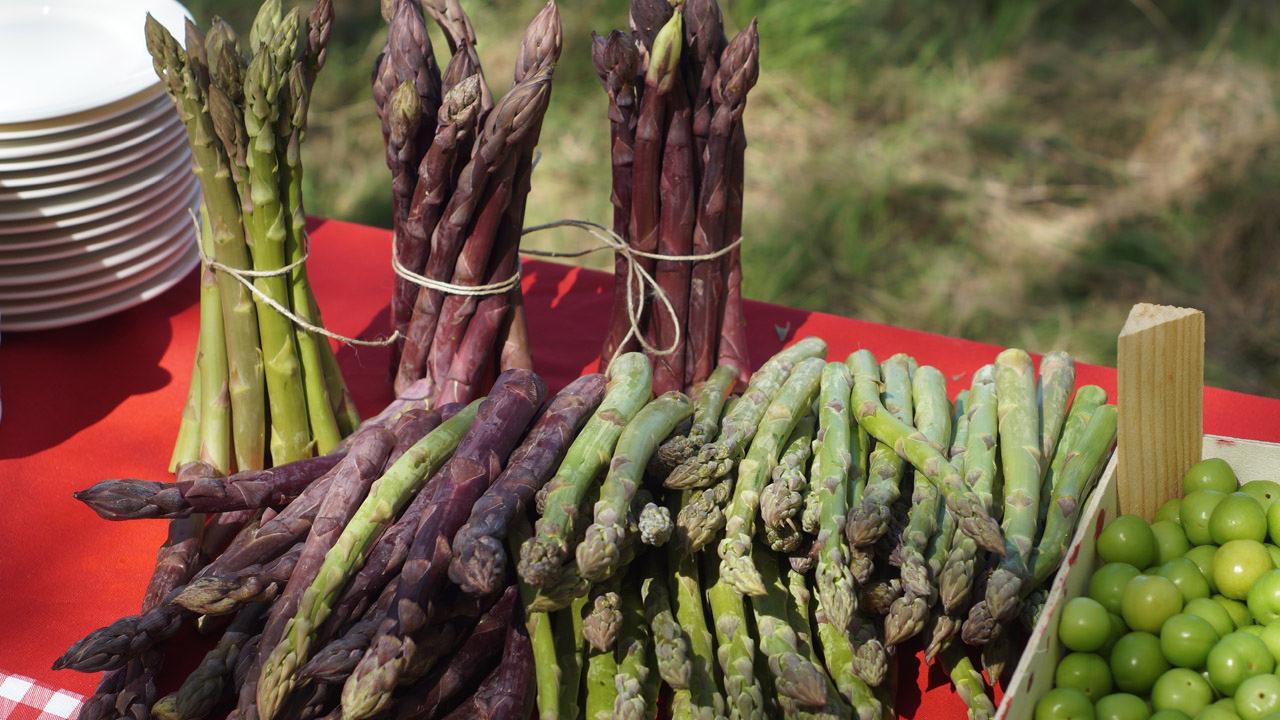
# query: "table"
{"type": "Point", "coordinates": [103, 400]}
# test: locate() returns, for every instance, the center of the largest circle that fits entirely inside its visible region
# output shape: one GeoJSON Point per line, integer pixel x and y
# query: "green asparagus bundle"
{"type": "Point", "coordinates": [266, 389]}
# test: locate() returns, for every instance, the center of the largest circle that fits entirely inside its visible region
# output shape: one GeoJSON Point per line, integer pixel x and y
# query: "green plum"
{"type": "Point", "coordinates": [1171, 541]}
{"type": "Point", "coordinates": [1273, 523]}
{"type": "Point", "coordinates": [1265, 492]}
{"type": "Point", "coordinates": [1085, 672]}
{"type": "Point", "coordinates": [1169, 715]}
{"type": "Point", "coordinates": [1064, 704]}
{"type": "Point", "coordinates": [1186, 639]}
{"type": "Point", "coordinates": [1264, 598]}
{"type": "Point", "coordinates": [1258, 697]}
{"type": "Point", "coordinates": [1238, 517]}
{"type": "Point", "coordinates": [1212, 612]}
{"type": "Point", "coordinates": [1128, 539]}
{"type": "Point", "coordinates": [1238, 611]}
{"type": "Point", "coordinates": [1117, 631]}
{"type": "Point", "coordinates": [1136, 662]}
{"type": "Point", "coordinates": [1149, 600]}
{"type": "Point", "coordinates": [1197, 509]}
{"type": "Point", "coordinates": [1211, 474]}
{"type": "Point", "coordinates": [1183, 690]}
{"type": "Point", "coordinates": [1219, 711]}
{"type": "Point", "coordinates": [1275, 553]}
{"type": "Point", "coordinates": [1121, 706]}
{"type": "Point", "coordinates": [1236, 657]}
{"type": "Point", "coordinates": [1186, 576]}
{"type": "Point", "coordinates": [1084, 625]}
{"type": "Point", "coordinates": [1107, 584]}
{"type": "Point", "coordinates": [1271, 638]}
{"type": "Point", "coordinates": [1171, 510]}
{"type": "Point", "coordinates": [1237, 565]}
{"type": "Point", "coordinates": [1202, 556]}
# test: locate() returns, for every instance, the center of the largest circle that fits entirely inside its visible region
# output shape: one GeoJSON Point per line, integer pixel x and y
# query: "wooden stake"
{"type": "Point", "coordinates": [1161, 390]}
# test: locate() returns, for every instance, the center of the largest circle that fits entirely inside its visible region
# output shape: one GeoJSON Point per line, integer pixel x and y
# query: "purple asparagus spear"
{"type": "Point", "coordinates": [506, 694]}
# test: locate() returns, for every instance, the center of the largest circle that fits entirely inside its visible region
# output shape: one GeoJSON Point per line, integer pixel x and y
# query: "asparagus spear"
{"type": "Point", "coordinates": [1087, 400]}
{"type": "Point", "coordinates": [704, 35]}
{"type": "Point", "coordinates": [735, 646]}
{"type": "Point", "coordinates": [704, 698]}
{"type": "Point", "coordinates": [968, 683]}
{"type": "Point", "coordinates": [1057, 378]}
{"type": "Point", "coordinates": [239, 316]}
{"type": "Point", "coordinates": [628, 390]}
{"type": "Point", "coordinates": [500, 422]}
{"type": "Point", "coordinates": [675, 664]}
{"type": "Point", "coordinates": [506, 694]}
{"type": "Point", "coordinates": [677, 215]}
{"type": "Point", "coordinates": [866, 707]}
{"type": "Point", "coordinates": [211, 360]}
{"type": "Point", "coordinates": [832, 463]}
{"type": "Point", "coordinates": [956, 578]}
{"type": "Point", "coordinates": [794, 674]}
{"type": "Point", "coordinates": [479, 562]}
{"type": "Point", "coordinates": [876, 596]}
{"type": "Point", "coordinates": [718, 459]}
{"type": "Point", "coordinates": [333, 662]}
{"type": "Point", "coordinates": [739, 69]}
{"type": "Point", "coordinates": [224, 594]}
{"type": "Point", "coordinates": [1084, 462]}
{"type": "Point", "coordinates": [547, 679]}
{"type": "Point", "coordinates": [386, 498]}
{"type": "Point", "coordinates": [914, 448]}
{"type": "Point", "coordinates": [637, 695]}
{"type": "Point", "coordinates": [780, 418]}
{"type": "Point", "coordinates": [933, 418]}
{"type": "Point", "coordinates": [837, 652]}
{"type": "Point", "coordinates": [1020, 460]}
{"type": "Point", "coordinates": [601, 693]}
{"type": "Point", "coordinates": [616, 58]}
{"type": "Point", "coordinates": [603, 617]}
{"type": "Point", "coordinates": [708, 405]}
{"type": "Point", "coordinates": [655, 525]}
{"type": "Point", "coordinates": [869, 521]}
{"type": "Point", "coordinates": [782, 501]}
{"type": "Point", "coordinates": [186, 448]}
{"type": "Point", "coordinates": [599, 552]}
{"type": "Point", "coordinates": [200, 692]}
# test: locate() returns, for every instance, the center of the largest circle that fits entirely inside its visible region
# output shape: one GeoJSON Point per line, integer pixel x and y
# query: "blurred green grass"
{"type": "Point", "coordinates": [1012, 171]}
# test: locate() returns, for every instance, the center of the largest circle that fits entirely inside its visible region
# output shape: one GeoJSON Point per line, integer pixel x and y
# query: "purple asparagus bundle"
{"type": "Point", "coordinates": [677, 147]}
{"type": "Point", "coordinates": [464, 211]}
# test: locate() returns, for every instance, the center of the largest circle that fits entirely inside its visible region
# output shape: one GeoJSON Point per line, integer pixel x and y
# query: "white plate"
{"type": "Point", "coordinates": [66, 174]}
{"type": "Point", "coordinates": [158, 192]}
{"type": "Point", "coordinates": [127, 223]}
{"type": "Point", "coordinates": [96, 116]}
{"type": "Point", "coordinates": [161, 154]}
{"type": "Point", "coordinates": [96, 151]}
{"type": "Point", "coordinates": [42, 297]}
{"type": "Point", "coordinates": [160, 112]}
{"type": "Point", "coordinates": [95, 309]}
{"type": "Point", "coordinates": [58, 270]}
{"type": "Point", "coordinates": [111, 192]}
{"type": "Point", "coordinates": [67, 56]}
{"type": "Point", "coordinates": [181, 216]}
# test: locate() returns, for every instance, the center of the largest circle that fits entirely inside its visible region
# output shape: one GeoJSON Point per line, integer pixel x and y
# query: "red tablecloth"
{"type": "Point", "coordinates": [102, 400]}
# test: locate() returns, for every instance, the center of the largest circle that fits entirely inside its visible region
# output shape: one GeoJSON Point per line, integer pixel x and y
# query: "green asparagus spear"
{"type": "Point", "coordinates": [933, 418]}
{"type": "Point", "coordinates": [704, 700]}
{"type": "Point", "coordinates": [186, 448]}
{"type": "Point", "coordinates": [708, 404]}
{"type": "Point", "coordinates": [956, 578]}
{"type": "Point", "coordinates": [735, 646]}
{"type": "Point", "coordinates": [831, 470]}
{"type": "Point", "coordinates": [794, 674]}
{"type": "Point", "coordinates": [782, 501]}
{"type": "Point", "coordinates": [670, 647]}
{"type": "Point", "coordinates": [599, 552]}
{"type": "Point", "coordinates": [637, 694]}
{"type": "Point", "coordinates": [869, 520]}
{"type": "Point", "coordinates": [780, 418]}
{"type": "Point", "coordinates": [604, 615]}
{"type": "Point", "coordinates": [1084, 463]}
{"type": "Point", "coordinates": [1057, 378]}
{"type": "Point", "coordinates": [630, 382]}
{"type": "Point", "coordinates": [566, 626]}
{"type": "Point", "coordinates": [386, 498]}
{"type": "Point", "coordinates": [914, 448]}
{"type": "Point", "coordinates": [602, 668]}
{"type": "Point", "coordinates": [1020, 462]}
{"type": "Point", "coordinates": [211, 359]}
{"type": "Point", "coordinates": [718, 459]}
{"type": "Point", "coordinates": [702, 516]}
{"type": "Point", "coordinates": [1088, 399]}
{"type": "Point", "coordinates": [969, 684]}
{"type": "Point", "coordinates": [656, 526]}
{"type": "Point", "coordinates": [837, 654]}
{"type": "Point", "coordinates": [546, 663]}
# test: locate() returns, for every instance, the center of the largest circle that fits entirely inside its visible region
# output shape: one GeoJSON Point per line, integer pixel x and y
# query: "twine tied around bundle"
{"type": "Point", "coordinates": [639, 281]}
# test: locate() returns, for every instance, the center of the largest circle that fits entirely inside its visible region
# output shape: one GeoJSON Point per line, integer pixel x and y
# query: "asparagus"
{"type": "Point", "coordinates": [933, 418]}
{"type": "Point", "coordinates": [704, 35]}
{"type": "Point", "coordinates": [780, 418]}
{"type": "Point", "coordinates": [1087, 400]}
{"type": "Point", "coordinates": [869, 521]}
{"type": "Point", "coordinates": [479, 562]}
{"type": "Point", "coordinates": [224, 594]}
{"type": "Point", "coordinates": [601, 693]}
{"type": "Point", "coordinates": [239, 316]}
{"type": "Point", "coordinates": [201, 691]}
{"type": "Point", "coordinates": [738, 426]}
{"type": "Point", "coordinates": [333, 662]}
{"type": "Point", "coordinates": [211, 360]}
{"type": "Point", "coordinates": [628, 390]}
{"type": "Point", "coordinates": [677, 186]}
{"type": "Point", "coordinates": [968, 683]}
{"type": "Point", "coordinates": [914, 448]}
{"type": "Point", "coordinates": [655, 525]}
{"type": "Point", "coordinates": [186, 448]}
{"type": "Point", "coordinates": [547, 679]}
{"type": "Point", "coordinates": [735, 646]}
{"type": "Point", "coordinates": [956, 578]}
{"type": "Point", "coordinates": [616, 58]}
{"type": "Point", "coordinates": [704, 699]}
{"type": "Point", "coordinates": [837, 652]}
{"type": "Point", "coordinates": [1031, 607]}
{"type": "Point", "coordinates": [1057, 378]}
{"type": "Point", "coordinates": [708, 405]}
{"type": "Point", "coordinates": [870, 656]}
{"type": "Point", "coordinates": [604, 618]}
{"type": "Point", "coordinates": [782, 501]}
{"type": "Point", "coordinates": [739, 69]}
{"type": "Point", "coordinates": [384, 501]}
{"type": "Point", "coordinates": [599, 553]}
{"type": "Point", "coordinates": [499, 424]}
{"type": "Point", "coordinates": [794, 674]}
{"type": "Point", "coordinates": [637, 695]}
{"type": "Point", "coordinates": [675, 665]}
{"type": "Point", "coordinates": [505, 693]}
{"type": "Point", "coordinates": [1020, 461]}
{"type": "Point", "coordinates": [208, 492]}
{"type": "Point", "coordinates": [1085, 460]}
{"type": "Point", "coordinates": [831, 468]}
{"type": "Point", "coordinates": [659, 80]}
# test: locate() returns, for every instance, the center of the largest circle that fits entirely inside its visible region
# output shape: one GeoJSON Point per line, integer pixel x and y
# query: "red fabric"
{"type": "Point", "coordinates": [102, 400]}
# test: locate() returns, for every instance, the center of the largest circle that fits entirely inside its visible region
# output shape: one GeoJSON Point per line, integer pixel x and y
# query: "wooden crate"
{"type": "Point", "coordinates": [1033, 677]}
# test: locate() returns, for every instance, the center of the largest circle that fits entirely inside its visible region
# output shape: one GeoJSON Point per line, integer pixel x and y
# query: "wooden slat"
{"type": "Point", "coordinates": [1161, 389]}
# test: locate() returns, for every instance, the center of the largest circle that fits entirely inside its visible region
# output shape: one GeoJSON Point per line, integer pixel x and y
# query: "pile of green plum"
{"type": "Point", "coordinates": [1182, 621]}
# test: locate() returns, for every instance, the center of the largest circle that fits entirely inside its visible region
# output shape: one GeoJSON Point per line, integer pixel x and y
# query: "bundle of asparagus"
{"type": "Point", "coordinates": [755, 554]}
{"type": "Point", "coordinates": [461, 167]}
{"type": "Point", "coordinates": [677, 91]}
{"type": "Point", "coordinates": [259, 375]}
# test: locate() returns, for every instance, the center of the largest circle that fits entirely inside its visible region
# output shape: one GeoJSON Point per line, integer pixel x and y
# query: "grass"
{"type": "Point", "coordinates": [1013, 171]}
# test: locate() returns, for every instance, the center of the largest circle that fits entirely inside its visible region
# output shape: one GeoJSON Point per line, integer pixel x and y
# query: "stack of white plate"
{"type": "Point", "coordinates": [96, 190]}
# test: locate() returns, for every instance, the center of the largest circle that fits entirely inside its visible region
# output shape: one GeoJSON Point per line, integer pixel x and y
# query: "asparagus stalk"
{"type": "Point", "coordinates": [704, 698]}
{"type": "Point", "coordinates": [718, 459]}
{"type": "Point", "coordinates": [506, 694]}
{"type": "Point", "coordinates": [385, 499]}
{"type": "Point", "coordinates": [599, 553]}
{"type": "Point", "coordinates": [733, 327]}
{"type": "Point", "coordinates": [780, 418]}
{"type": "Point", "coordinates": [603, 617]}
{"type": "Point", "coordinates": [637, 695]}
{"type": "Point", "coordinates": [914, 448]}
{"type": "Point", "coordinates": [499, 424]}
{"type": "Point", "coordinates": [933, 418]}
{"type": "Point", "coordinates": [655, 525]}
{"type": "Point", "coordinates": [211, 361]}
{"type": "Point", "coordinates": [675, 665]}
{"type": "Point", "coordinates": [186, 448]}
{"type": "Point", "coordinates": [782, 501]}
{"type": "Point", "coordinates": [628, 390]}
{"type": "Point", "coordinates": [708, 405]}
{"type": "Point", "coordinates": [866, 707]}
{"type": "Point", "coordinates": [969, 684]}
{"type": "Point", "coordinates": [239, 315]}
{"type": "Point", "coordinates": [659, 79]}
{"type": "Point", "coordinates": [794, 674]}
{"type": "Point", "coordinates": [735, 646]}
{"type": "Point", "coordinates": [956, 577]}
{"type": "Point", "coordinates": [869, 521]}
{"type": "Point", "coordinates": [1057, 378]}
{"type": "Point", "coordinates": [1087, 401]}
{"type": "Point", "coordinates": [214, 595]}
{"type": "Point", "coordinates": [1020, 460]}
{"type": "Point", "coordinates": [335, 660]}
{"type": "Point", "coordinates": [479, 562]}
{"type": "Point", "coordinates": [677, 187]}
{"type": "Point", "coordinates": [601, 693]}
{"type": "Point", "coordinates": [546, 665]}
{"type": "Point", "coordinates": [877, 596]}
{"type": "Point", "coordinates": [832, 464]}
{"type": "Point", "coordinates": [837, 653]}
{"type": "Point", "coordinates": [201, 691]}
